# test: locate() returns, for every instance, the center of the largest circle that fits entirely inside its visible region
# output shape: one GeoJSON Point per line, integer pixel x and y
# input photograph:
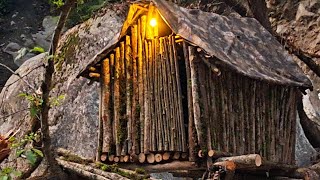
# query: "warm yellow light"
{"type": "Point", "coordinates": [153, 22]}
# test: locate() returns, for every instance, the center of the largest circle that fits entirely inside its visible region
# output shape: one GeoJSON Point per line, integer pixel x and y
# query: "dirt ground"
{"type": "Point", "coordinates": [27, 17]}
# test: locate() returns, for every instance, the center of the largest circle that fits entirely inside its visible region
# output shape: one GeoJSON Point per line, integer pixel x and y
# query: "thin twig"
{"type": "Point", "coordinates": [1, 117]}
{"type": "Point", "coordinates": [24, 75]}
{"type": "Point", "coordinates": [17, 74]}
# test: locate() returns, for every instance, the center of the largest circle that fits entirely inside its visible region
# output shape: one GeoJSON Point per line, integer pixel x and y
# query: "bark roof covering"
{"type": "Point", "coordinates": [241, 44]}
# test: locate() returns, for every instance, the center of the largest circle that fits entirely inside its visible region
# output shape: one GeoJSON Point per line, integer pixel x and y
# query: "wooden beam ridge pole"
{"type": "Point", "coordinates": [209, 124]}
{"type": "Point", "coordinates": [141, 61]}
{"type": "Point", "coordinates": [182, 134]}
{"type": "Point", "coordinates": [135, 95]}
{"type": "Point", "coordinates": [143, 27]}
{"type": "Point", "coordinates": [100, 127]}
{"type": "Point", "coordinates": [146, 146]}
{"type": "Point", "coordinates": [156, 142]}
{"type": "Point", "coordinates": [117, 101]}
{"type": "Point", "coordinates": [94, 75]}
{"type": "Point", "coordinates": [196, 97]}
{"type": "Point", "coordinates": [171, 109]}
{"type": "Point", "coordinates": [159, 98]}
{"type": "Point", "coordinates": [170, 166]}
{"type": "Point", "coordinates": [258, 119]}
{"type": "Point", "coordinates": [122, 110]}
{"type": "Point", "coordinates": [128, 59]}
{"type": "Point", "coordinates": [232, 117]}
{"type": "Point", "coordinates": [106, 113]}
{"type": "Point", "coordinates": [218, 154]}
{"type": "Point", "coordinates": [166, 112]}
{"type": "Point", "coordinates": [151, 93]}
{"type": "Point", "coordinates": [111, 107]}
{"type": "Point", "coordinates": [243, 161]}
{"type": "Point", "coordinates": [192, 134]}
{"type": "Point", "coordinates": [175, 120]}
{"type": "Point", "coordinates": [214, 116]}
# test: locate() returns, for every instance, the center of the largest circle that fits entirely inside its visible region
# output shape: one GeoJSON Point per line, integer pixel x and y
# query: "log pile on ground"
{"type": "Point", "coordinates": [233, 166]}
{"type": "Point", "coordinates": [91, 169]}
{"type": "Point", "coordinates": [254, 164]}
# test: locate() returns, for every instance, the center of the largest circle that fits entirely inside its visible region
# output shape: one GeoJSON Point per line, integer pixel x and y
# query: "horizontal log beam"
{"type": "Point", "coordinates": [240, 162]}
{"type": "Point", "coordinates": [88, 171]}
{"type": "Point", "coordinates": [166, 167]}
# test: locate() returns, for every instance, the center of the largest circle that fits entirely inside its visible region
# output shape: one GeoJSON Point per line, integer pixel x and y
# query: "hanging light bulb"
{"type": "Point", "coordinates": [153, 22]}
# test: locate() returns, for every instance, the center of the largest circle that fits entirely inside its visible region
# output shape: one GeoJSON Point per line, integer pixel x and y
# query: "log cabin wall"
{"type": "Point", "coordinates": [239, 115]}
{"type": "Point", "coordinates": [162, 100]}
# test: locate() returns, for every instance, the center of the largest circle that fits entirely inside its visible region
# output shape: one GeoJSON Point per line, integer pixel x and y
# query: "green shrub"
{"type": "Point", "coordinates": [84, 11]}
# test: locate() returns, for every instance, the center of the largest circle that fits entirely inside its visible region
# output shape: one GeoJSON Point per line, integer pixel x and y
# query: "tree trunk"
{"type": "Point", "coordinates": [46, 86]}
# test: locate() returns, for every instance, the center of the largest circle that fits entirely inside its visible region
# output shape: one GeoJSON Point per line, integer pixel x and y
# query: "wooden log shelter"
{"type": "Point", "coordinates": [184, 84]}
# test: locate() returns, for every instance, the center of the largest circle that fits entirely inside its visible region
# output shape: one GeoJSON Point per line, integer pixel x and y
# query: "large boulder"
{"type": "Point", "coordinates": [73, 123]}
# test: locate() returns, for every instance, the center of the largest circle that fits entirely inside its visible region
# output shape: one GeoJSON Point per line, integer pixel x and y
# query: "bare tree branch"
{"type": "Point", "coordinates": [65, 10]}
{"type": "Point", "coordinates": [26, 74]}
{"type": "Point", "coordinates": [22, 110]}
{"type": "Point", "coordinates": [17, 74]}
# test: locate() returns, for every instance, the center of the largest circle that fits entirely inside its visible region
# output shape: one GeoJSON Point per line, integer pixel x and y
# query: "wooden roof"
{"type": "Point", "coordinates": [241, 44]}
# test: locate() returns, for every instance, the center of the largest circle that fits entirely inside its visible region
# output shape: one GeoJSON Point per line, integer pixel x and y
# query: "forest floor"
{"type": "Point", "coordinates": [24, 19]}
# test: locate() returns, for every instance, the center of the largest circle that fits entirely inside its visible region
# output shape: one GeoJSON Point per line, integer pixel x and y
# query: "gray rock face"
{"type": "Point", "coordinates": [305, 153]}
{"type": "Point", "coordinates": [13, 109]}
{"type": "Point", "coordinates": [74, 123]}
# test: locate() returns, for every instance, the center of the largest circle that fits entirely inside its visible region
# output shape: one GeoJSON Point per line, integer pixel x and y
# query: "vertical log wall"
{"type": "Point", "coordinates": [142, 99]}
{"type": "Point", "coordinates": [240, 115]}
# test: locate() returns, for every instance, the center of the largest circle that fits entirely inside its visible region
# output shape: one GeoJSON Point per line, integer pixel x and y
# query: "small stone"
{"type": "Point", "coordinates": [302, 12]}
{"type": "Point", "coordinates": [28, 43]}
{"type": "Point", "coordinates": [12, 23]}
{"type": "Point", "coordinates": [15, 14]}
{"type": "Point", "coordinates": [11, 47]}
{"type": "Point", "coordinates": [23, 51]}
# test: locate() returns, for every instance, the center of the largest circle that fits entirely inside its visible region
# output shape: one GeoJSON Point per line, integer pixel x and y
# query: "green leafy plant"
{"type": "Point", "coordinates": [84, 10]}
{"type": "Point", "coordinates": [28, 152]}
{"type": "Point", "coordinates": [37, 50]}
{"type": "Point", "coordinates": [57, 3]}
{"type": "Point", "coordinates": [9, 173]}
{"type": "Point", "coordinates": [56, 101]}
{"type": "Point", "coordinates": [35, 103]}
{"type": "Point", "coordinates": [5, 6]}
